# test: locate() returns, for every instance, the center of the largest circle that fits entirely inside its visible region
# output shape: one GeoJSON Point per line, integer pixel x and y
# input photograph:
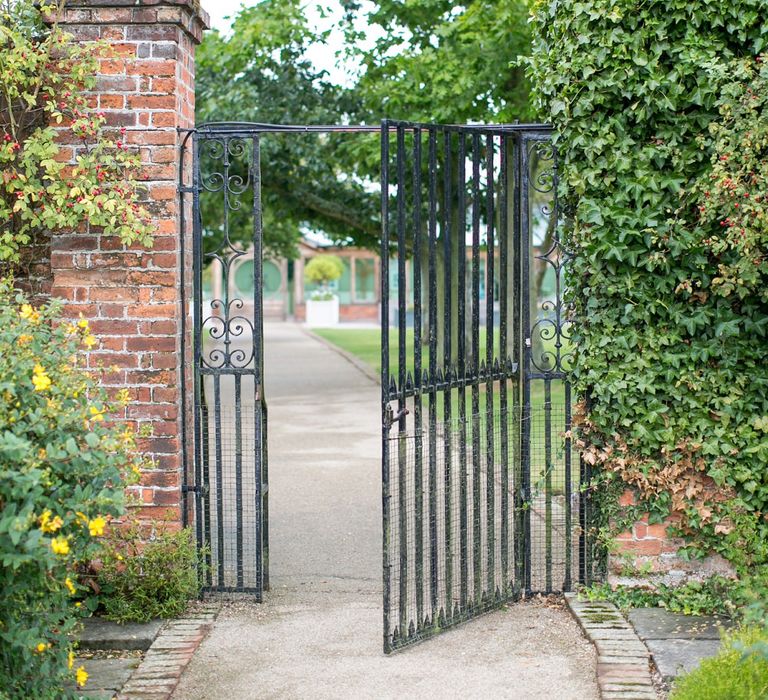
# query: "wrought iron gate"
{"type": "Point", "coordinates": [482, 497]}
{"type": "Point", "coordinates": [480, 480]}
{"type": "Point", "coordinates": [229, 410]}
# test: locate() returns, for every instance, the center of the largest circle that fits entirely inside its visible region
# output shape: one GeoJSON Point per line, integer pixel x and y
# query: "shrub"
{"type": "Point", "coordinates": [731, 675]}
{"type": "Point", "coordinates": [62, 473]}
{"type": "Point", "coordinates": [141, 580]}
{"type": "Point", "coordinates": [323, 269]}
{"type": "Point", "coordinates": [660, 117]}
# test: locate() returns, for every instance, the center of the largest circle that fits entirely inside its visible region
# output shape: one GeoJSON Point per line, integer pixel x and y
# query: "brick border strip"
{"type": "Point", "coordinates": [159, 673]}
{"type": "Point", "coordinates": [623, 661]}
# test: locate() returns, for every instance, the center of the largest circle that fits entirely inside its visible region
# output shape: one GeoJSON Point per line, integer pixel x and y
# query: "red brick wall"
{"type": "Point", "coordinates": [132, 297]}
{"type": "Point", "coordinates": [647, 552]}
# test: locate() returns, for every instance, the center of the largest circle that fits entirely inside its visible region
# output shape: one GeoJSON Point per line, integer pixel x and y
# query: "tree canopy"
{"type": "Point", "coordinates": [432, 61]}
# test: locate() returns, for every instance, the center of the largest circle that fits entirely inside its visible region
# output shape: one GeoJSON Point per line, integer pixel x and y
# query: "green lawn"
{"type": "Point", "coordinates": [364, 343]}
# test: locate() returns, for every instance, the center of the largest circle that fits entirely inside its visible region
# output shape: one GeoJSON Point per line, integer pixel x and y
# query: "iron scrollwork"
{"type": "Point", "coordinates": [227, 172]}
{"type": "Point", "coordinates": [550, 334]}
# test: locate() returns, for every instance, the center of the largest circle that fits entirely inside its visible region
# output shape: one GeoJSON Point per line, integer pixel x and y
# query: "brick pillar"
{"type": "Point", "coordinates": [133, 296]}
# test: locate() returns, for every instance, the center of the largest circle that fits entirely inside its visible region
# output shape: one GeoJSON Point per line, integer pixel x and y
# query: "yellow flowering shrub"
{"type": "Point", "coordinates": [63, 469]}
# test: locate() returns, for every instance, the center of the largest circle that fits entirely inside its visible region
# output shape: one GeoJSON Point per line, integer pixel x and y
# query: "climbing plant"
{"type": "Point", "coordinates": [60, 169]}
{"type": "Point", "coordinates": [661, 125]}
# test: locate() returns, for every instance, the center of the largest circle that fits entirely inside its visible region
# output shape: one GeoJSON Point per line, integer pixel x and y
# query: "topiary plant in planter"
{"type": "Point", "coordinates": [323, 304]}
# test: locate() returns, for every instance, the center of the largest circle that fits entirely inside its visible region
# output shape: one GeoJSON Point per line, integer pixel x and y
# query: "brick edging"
{"type": "Point", "coordinates": [159, 672]}
{"type": "Point", "coordinates": [623, 661]}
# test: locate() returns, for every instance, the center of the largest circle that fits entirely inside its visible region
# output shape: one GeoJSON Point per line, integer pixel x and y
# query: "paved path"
{"type": "Point", "coordinates": [318, 635]}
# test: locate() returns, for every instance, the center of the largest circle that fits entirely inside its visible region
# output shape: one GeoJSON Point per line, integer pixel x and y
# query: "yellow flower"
{"type": "Point", "coordinates": [123, 396]}
{"type": "Point", "coordinates": [40, 379]}
{"type": "Point", "coordinates": [70, 586]}
{"type": "Point", "coordinates": [25, 338]}
{"type": "Point", "coordinates": [81, 516]}
{"type": "Point", "coordinates": [41, 647]}
{"type": "Point", "coordinates": [49, 524]}
{"type": "Point", "coordinates": [29, 313]}
{"type": "Point", "coordinates": [96, 414]}
{"type": "Point", "coordinates": [59, 545]}
{"type": "Point", "coordinates": [96, 526]}
{"type": "Point", "coordinates": [70, 659]}
{"type": "Point", "coordinates": [83, 323]}
{"type": "Point", "coordinates": [78, 604]}
{"type": "Point", "coordinates": [89, 341]}
{"type": "Point", "coordinates": [81, 676]}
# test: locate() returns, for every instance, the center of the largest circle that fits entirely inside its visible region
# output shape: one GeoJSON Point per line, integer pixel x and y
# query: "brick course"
{"type": "Point", "coordinates": [133, 296]}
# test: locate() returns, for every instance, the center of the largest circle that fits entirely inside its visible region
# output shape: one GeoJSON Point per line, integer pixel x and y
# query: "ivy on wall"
{"type": "Point", "coordinates": [661, 115]}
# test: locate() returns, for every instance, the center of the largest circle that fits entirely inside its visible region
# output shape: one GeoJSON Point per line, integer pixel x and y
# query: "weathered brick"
{"type": "Point", "coordinates": [151, 67]}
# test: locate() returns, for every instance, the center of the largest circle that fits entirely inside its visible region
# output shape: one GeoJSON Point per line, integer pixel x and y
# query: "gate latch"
{"type": "Point", "coordinates": [392, 417]}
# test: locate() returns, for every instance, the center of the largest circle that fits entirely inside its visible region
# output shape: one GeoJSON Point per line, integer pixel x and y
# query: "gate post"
{"type": "Point", "coordinates": [133, 297]}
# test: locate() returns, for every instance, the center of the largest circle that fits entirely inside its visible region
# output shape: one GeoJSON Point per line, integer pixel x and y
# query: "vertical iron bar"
{"type": "Point", "coordinates": [183, 371]}
{"type": "Point", "coordinates": [476, 508]}
{"type": "Point", "coordinates": [385, 426]}
{"type": "Point", "coordinates": [447, 394]}
{"type": "Point", "coordinates": [490, 412]}
{"type": "Point", "coordinates": [205, 498]}
{"type": "Point", "coordinates": [201, 483]}
{"type": "Point", "coordinates": [461, 372]}
{"type": "Point", "coordinates": [238, 481]}
{"type": "Point", "coordinates": [548, 466]}
{"type": "Point", "coordinates": [258, 365]}
{"type": "Point", "coordinates": [418, 486]}
{"type": "Point", "coordinates": [504, 361]}
{"type": "Point", "coordinates": [585, 536]}
{"type": "Point", "coordinates": [433, 553]}
{"type": "Point", "coordinates": [517, 340]}
{"type": "Point", "coordinates": [401, 369]}
{"type": "Point", "coordinates": [219, 485]}
{"type": "Point", "coordinates": [525, 319]}
{"type": "Point", "coordinates": [265, 497]}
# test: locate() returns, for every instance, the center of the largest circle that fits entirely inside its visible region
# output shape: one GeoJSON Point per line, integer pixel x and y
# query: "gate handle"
{"type": "Point", "coordinates": [393, 417]}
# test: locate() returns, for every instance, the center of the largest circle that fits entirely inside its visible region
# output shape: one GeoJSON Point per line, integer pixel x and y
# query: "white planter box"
{"type": "Point", "coordinates": [321, 314]}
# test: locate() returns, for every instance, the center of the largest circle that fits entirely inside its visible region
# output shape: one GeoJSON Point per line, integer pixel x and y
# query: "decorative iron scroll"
{"type": "Point", "coordinates": [550, 329]}
{"type": "Point", "coordinates": [226, 171]}
{"type": "Point", "coordinates": [230, 410]}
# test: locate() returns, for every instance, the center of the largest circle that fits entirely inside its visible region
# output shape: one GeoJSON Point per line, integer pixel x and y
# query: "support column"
{"type": "Point", "coordinates": [135, 298]}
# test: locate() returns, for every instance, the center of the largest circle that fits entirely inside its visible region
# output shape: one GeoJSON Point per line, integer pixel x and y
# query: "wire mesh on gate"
{"type": "Point", "coordinates": [452, 522]}
{"type": "Point", "coordinates": [232, 527]}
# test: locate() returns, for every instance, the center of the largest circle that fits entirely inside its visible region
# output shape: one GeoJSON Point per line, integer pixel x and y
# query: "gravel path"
{"type": "Point", "coordinates": [318, 635]}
